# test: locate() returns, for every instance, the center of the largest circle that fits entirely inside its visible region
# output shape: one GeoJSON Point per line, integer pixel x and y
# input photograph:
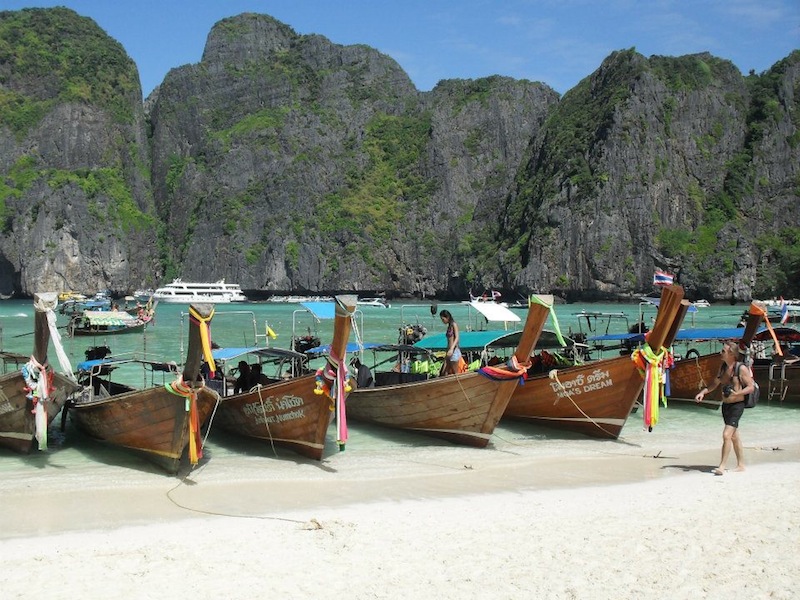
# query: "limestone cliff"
{"type": "Point", "coordinates": [75, 193]}
{"type": "Point", "coordinates": [674, 163]}
{"type": "Point", "coordinates": [287, 162]}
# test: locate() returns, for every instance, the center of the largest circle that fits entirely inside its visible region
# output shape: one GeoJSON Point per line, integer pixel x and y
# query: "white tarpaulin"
{"type": "Point", "coordinates": [494, 312]}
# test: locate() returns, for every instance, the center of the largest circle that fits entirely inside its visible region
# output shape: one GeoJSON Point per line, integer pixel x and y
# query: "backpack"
{"type": "Point", "coordinates": [751, 399]}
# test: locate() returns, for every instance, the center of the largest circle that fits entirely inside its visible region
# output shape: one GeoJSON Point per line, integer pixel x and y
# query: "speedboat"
{"type": "Point", "coordinates": [180, 292]}
{"type": "Point", "coordinates": [378, 302]}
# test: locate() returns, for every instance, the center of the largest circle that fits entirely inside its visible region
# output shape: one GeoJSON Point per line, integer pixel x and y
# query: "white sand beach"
{"type": "Point", "coordinates": [448, 523]}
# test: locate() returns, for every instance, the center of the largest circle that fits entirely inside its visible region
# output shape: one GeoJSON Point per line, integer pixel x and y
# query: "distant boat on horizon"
{"type": "Point", "coordinates": [180, 292]}
{"type": "Point", "coordinates": [377, 302]}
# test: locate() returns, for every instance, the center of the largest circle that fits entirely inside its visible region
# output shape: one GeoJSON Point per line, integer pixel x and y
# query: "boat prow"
{"type": "Point", "coordinates": [295, 412]}
{"type": "Point", "coordinates": [594, 398]}
{"type": "Point", "coordinates": [26, 414]}
{"type": "Point", "coordinates": [463, 408]}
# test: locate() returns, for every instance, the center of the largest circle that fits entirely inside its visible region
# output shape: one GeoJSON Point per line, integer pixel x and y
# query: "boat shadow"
{"type": "Point", "coordinates": [511, 432]}
{"type": "Point", "coordinates": [101, 452]}
{"type": "Point", "coordinates": [369, 435]}
{"type": "Point", "coordinates": [73, 447]}
{"type": "Point", "coordinates": [230, 443]}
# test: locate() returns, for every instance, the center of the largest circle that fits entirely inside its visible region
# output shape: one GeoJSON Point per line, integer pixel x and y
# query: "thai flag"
{"type": "Point", "coordinates": [662, 278]}
{"type": "Point", "coordinates": [784, 312]}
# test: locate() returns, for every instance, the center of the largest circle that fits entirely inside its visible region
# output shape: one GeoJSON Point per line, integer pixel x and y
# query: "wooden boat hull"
{"type": "Point", "coordinates": [463, 409]}
{"type": "Point", "coordinates": [288, 414]}
{"type": "Point", "coordinates": [784, 387]}
{"type": "Point", "coordinates": [690, 375]}
{"type": "Point", "coordinates": [593, 399]}
{"type": "Point", "coordinates": [596, 398]}
{"type": "Point", "coordinates": [17, 424]}
{"type": "Point", "coordinates": [153, 421]}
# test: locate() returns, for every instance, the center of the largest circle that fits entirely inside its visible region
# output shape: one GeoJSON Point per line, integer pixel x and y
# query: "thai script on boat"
{"type": "Point", "coordinates": [582, 383]}
{"type": "Point", "coordinates": [281, 418]}
{"type": "Point", "coordinates": [6, 407]}
{"type": "Point", "coordinates": [272, 404]}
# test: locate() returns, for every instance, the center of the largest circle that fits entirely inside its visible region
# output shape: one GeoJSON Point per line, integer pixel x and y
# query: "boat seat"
{"type": "Point", "coordinates": [393, 378]}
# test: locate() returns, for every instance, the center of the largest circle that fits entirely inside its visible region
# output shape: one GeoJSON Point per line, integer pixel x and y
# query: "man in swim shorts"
{"type": "Point", "coordinates": [737, 382]}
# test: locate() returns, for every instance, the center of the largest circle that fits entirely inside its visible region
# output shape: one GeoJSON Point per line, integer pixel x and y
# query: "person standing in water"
{"type": "Point", "coordinates": [737, 382]}
{"type": "Point", "coordinates": [453, 355]}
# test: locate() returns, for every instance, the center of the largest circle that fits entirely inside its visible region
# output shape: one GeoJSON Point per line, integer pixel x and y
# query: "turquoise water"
{"type": "Point", "coordinates": [238, 325]}
{"type": "Point", "coordinates": [370, 450]}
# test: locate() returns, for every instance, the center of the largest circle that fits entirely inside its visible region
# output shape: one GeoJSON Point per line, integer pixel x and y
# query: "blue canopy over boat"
{"type": "Point", "coordinates": [95, 365]}
{"type": "Point", "coordinates": [321, 310]}
{"type": "Point", "coordinates": [695, 334]}
{"type": "Point", "coordinates": [351, 347]}
{"type": "Point", "coordinates": [228, 354]}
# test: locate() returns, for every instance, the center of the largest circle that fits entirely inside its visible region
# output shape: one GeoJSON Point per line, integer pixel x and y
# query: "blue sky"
{"type": "Point", "coordinates": [558, 42]}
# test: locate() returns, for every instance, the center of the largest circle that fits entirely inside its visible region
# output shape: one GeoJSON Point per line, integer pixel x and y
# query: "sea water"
{"type": "Point", "coordinates": [370, 452]}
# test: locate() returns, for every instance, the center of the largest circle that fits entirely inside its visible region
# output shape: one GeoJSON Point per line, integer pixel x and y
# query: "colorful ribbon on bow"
{"type": "Point", "coordinates": [511, 370]}
{"type": "Point", "coordinates": [38, 386]}
{"type": "Point", "coordinates": [652, 367]}
{"type": "Point", "coordinates": [179, 388]}
{"type": "Point", "coordinates": [335, 370]}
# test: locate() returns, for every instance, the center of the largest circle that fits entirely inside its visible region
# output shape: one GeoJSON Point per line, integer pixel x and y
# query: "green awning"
{"type": "Point", "coordinates": [109, 317]}
{"type": "Point", "coordinates": [478, 340]}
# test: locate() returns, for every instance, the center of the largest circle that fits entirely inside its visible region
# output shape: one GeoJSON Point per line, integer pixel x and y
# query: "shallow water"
{"type": "Point", "coordinates": [371, 452]}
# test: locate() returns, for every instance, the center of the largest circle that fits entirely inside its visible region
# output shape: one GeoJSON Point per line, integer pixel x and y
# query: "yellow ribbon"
{"type": "Point", "coordinates": [179, 388]}
{"type": "Point", "coordinates": [205, 336]}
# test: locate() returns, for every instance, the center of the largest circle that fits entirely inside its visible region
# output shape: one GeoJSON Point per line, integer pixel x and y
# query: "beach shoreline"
{"type": "Point", "coordinates": [341, 480]}
{"type": "Point", "coordinates": [537, 514]}
{"type": "Point", "coordinates": [587, 527]}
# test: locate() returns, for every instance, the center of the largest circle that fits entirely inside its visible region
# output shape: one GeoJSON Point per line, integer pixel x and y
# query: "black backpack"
{"type": "Point", "coordinates": [751, 399]}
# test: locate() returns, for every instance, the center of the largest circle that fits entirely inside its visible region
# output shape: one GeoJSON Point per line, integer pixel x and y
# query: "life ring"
{"type": "Point", "coordinates": [692, 352]}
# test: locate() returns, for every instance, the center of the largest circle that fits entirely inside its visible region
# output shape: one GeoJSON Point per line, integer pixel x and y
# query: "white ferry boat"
{"type": "Point", "coordinates": [180, 292]}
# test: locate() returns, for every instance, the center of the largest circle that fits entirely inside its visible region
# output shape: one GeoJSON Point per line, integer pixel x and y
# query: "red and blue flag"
{"type": "Point", "coordinates": [662, 278]}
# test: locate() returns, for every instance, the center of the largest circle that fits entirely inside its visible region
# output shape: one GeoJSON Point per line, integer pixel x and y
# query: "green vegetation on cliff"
{"type": "Point", "coordinates": [53, 56]}
{"type": "Point", "coordinates": [375, 200]}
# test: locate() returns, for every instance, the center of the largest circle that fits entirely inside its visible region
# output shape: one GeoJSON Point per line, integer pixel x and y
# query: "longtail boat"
{"type": "Point", "coordinates": [32, 397]}
{"type": "Point", "coordinates": [594, 398]}
{"type": "Point", "coordinates": [463, 408]}
{"type": "Point", "coordinates": [106, 322]}
{"type": "Point", "coordinates": [777, 373]}
{"type": "Point", "coordinates": [160, 422]}
{"type": "Point", "coordinates": [695, 371]}
{"type": "Point", "coordinates": [296, 412]}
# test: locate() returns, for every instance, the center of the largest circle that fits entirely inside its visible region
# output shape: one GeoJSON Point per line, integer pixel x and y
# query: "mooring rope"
{"type": "Point", "coordinates": [553, 374]}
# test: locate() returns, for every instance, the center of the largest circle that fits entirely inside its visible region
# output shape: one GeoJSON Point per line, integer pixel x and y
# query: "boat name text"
{"type": "Point", "coordinates": [596, 380]}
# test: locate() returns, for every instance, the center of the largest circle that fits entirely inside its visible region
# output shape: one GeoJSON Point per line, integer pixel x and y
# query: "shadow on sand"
{"type": "Point", "coordinates": [690, 468]}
